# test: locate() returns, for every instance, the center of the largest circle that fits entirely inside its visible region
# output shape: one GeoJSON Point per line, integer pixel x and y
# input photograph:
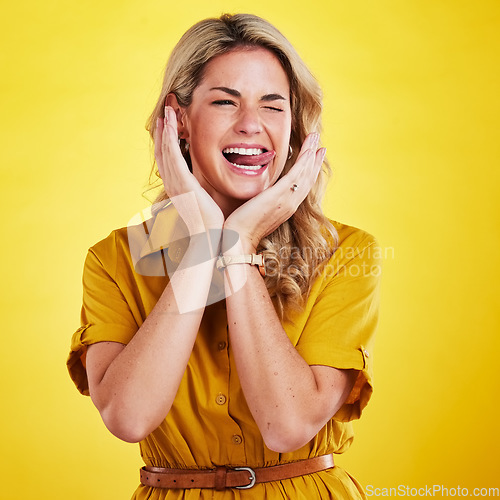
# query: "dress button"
{"type": "Point", "coordinates": [221, 346]}
{"type": "Point", "coordinates": [220, 399]}
{"type": "Point", "coordinates": [237, 439]}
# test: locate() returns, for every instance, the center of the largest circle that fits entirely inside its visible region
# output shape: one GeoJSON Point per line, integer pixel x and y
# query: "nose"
{"type": "Point", "coordinates": [248, 122]}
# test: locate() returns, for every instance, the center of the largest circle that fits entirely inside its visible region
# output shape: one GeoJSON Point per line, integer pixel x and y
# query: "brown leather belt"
{"type": "Point", "coordinates": [221, 478]}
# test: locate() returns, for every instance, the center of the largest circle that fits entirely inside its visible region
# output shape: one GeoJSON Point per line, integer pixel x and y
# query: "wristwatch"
{"type": "Point", "coordinates": [252, 259]}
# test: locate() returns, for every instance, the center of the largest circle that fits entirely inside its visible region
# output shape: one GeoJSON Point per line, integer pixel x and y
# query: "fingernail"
{"type": "Point", "coordinates": [166, 114]}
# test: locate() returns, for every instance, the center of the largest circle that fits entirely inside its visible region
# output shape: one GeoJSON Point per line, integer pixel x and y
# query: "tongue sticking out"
{"type": "Point", "coordinates": [250, 160]}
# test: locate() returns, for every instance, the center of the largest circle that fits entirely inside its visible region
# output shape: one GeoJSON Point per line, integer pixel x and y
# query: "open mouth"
{"type": "Point", "coordinates": [248, 158]}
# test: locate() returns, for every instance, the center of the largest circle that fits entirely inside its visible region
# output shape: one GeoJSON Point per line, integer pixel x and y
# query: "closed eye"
{"type": "Point", "coordinates": [272, 108]}
{"type": "Point", "coordinates": [223, 102]}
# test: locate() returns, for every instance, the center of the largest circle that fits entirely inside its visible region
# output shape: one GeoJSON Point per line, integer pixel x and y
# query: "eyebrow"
{"type": "Point", "coordinates": [265, 98]}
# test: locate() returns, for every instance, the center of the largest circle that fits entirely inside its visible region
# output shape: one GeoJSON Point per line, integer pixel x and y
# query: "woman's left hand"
{"type": "Point", "coordinates": [261, 215]}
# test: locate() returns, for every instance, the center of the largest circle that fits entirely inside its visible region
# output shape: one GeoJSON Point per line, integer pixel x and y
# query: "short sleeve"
{"type": "Point", "coordinates": [340, 329]}
{"type": "Point", "coordinates": [105, 316]}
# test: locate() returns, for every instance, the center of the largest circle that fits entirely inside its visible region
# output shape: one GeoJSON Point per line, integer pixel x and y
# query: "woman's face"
{"type": "Point", "coordinates": [238, 125]}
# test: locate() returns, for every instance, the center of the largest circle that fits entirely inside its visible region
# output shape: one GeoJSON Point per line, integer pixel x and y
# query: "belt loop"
{"type": "Point", "coordinates": [220, 478]}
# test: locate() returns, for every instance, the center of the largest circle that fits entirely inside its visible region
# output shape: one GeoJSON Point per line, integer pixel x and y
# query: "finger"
{"type": "Point", "coordinates": [293, 179]}
{"type": "Point", "coordinates": [309, 175]}
{"type": "Point", "coordinates": [306, 158]}
{"type": "Point", "coordinates": [305, 174]}
{"type": "Point", "coordinates": [310, 143]}
{"type": "Point", "coordinates": [171, 125]}
{"type": "Point", "coordinates": [304, 167]}
{"type": "Point", "coordinates": [171, 137]}
{"type": "Point", "coordinates": [165, 135]}
{"type": "Point", "coordinates": [316, 170]}
{"type": "Point", "coordinates": [320, 158]}
{"type": "Point", "coordinates": [158, 139]}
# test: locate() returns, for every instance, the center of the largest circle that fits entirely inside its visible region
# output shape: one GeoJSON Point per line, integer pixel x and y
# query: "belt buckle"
{"type": "Point", "coordinates": [252, 478]}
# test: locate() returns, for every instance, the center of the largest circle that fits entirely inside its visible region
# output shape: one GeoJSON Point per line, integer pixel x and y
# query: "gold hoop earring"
{"type": "Point", "coordinates": [290, 151]}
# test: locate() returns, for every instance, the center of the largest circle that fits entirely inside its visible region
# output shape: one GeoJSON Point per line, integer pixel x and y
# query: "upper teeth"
{"type": "Point", "coordinates": [244, 151]}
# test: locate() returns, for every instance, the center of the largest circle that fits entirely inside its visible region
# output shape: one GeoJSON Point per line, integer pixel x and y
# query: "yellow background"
{"type": "Point", "coordinates": [411, 126]}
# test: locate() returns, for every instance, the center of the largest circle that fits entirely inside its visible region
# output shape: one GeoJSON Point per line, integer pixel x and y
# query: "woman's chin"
{"type": "Point", "coordinates": [244, 188]}
{"type": "Point", "coordinates": [229, 200]}
{"type": "Point", "coordinates": [247, 191]}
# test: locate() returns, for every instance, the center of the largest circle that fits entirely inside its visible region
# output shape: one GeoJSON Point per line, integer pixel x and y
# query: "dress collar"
{"type": "Point", "coordinates": [153, 230]}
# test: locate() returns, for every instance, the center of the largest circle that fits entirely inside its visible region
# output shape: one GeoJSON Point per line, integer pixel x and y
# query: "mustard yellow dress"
{"type": "Point", "coordinates": [210, 423]}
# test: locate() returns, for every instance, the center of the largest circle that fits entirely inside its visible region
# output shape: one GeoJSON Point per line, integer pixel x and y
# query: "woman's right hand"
{"type": "Point", "coordinates": [159, 352]}
{"type": "Point", "coordinates": [195, 206]}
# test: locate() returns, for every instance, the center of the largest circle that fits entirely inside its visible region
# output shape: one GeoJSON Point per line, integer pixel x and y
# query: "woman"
{"type": "Point", "coordinates": [229, 380]}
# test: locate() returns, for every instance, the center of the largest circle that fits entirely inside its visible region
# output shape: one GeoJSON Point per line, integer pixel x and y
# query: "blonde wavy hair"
{"type": "Point", "coordinates": [295, 252]}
